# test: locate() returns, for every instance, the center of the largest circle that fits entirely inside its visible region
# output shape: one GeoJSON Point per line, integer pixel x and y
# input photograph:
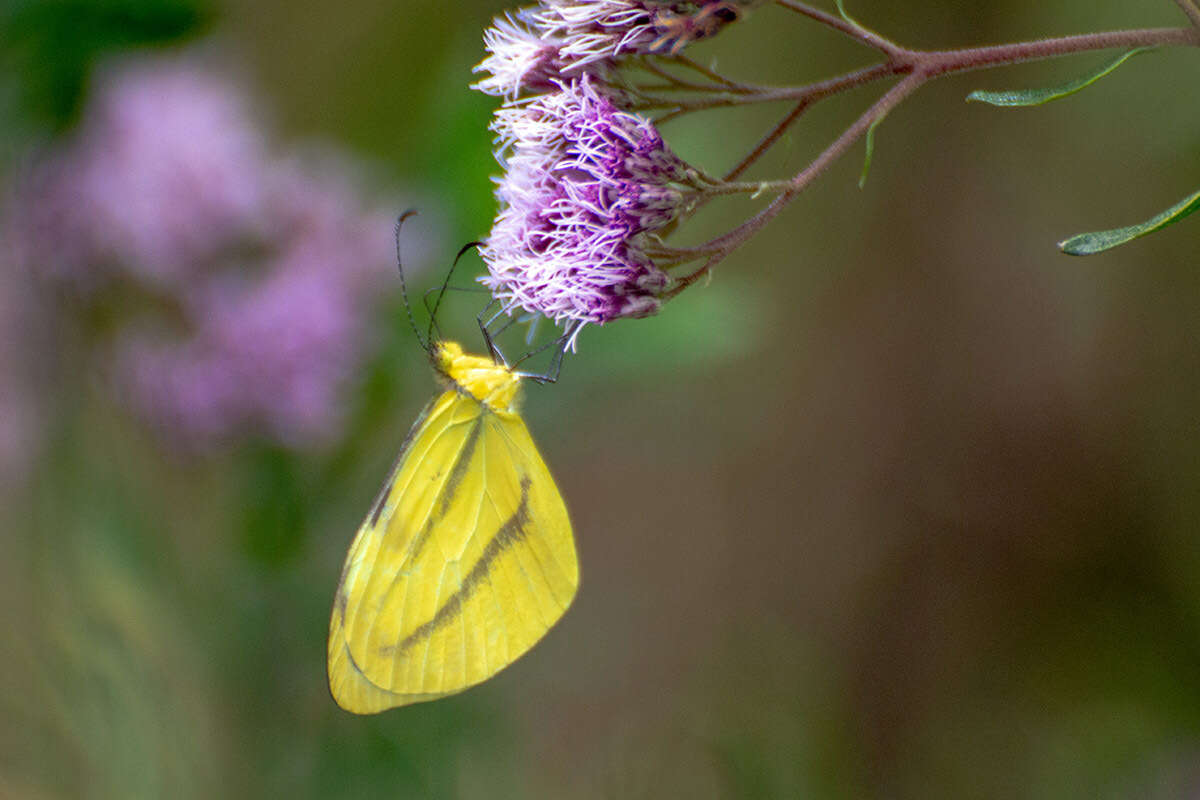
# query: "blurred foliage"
{"type": "Point", "coordinates": [901, 505]}
{"type": "Point", "coordinates": [50, 46]}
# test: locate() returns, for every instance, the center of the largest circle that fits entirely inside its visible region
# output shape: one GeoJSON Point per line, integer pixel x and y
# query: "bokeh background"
{"type": "Point", "coordinates": [903, 503]}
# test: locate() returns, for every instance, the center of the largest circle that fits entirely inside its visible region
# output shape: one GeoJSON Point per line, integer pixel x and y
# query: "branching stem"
{"type": "Point", "coordinates": [712, 75]}
{"type": "Point", "coordinates": [1192, 10]}
{"type": "Point", "coordinates": [722, 246]}
{"type": "Point", "coordinates": [918, 67]}
{"type": "Point", "coordinates": [867, 37]}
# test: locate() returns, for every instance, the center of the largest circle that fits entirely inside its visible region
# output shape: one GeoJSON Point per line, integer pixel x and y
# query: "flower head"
{"type": "Point", "coordinates": [561, 39]}
{"type": "Point", "coordinates": [253, 272]}
{"type": "Point", "coordinates": [533, 47]}
{"type": "Point", "coordinates": [586, 184]}
{"type": "Point", "coordinates": [172, 165]}
{"type": "Point", "coordinates": [267, 355]}
{"type": "Point", "coordinates": [594, 30]}
{"type": "Point", "coordinates": [521, 59]}
{"type": "Point", "coordinates": [270, 338]}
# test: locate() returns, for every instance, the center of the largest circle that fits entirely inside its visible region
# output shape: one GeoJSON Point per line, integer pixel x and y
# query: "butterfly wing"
{"type": "Point", "coordinates": [464, 563]}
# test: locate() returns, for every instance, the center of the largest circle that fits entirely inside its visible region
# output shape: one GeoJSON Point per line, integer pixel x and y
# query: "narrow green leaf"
{"type": "Point", "coordinates": [846, 15]}
{"type": "Point", "coordinates": [1086, 244]}
{"type": "Point", "coordinates": [1036, 97]}
{"type": "Point", "coordinates": [862, 28]}
{"type": "Point", "coordinates": [862, 179]}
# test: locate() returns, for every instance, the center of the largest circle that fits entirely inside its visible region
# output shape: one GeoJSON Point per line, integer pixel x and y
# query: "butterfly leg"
{"type": "Point", "coordinates": [560, 345]}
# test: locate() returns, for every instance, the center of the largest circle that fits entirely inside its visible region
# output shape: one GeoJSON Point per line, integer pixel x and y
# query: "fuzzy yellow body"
{"type": "Point", "coordinates": [466, 559]}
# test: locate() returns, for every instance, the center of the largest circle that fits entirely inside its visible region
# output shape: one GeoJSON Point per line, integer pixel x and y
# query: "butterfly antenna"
{"type": "Point", "coordinates": [446, 285]}
{"type": "Point", "coordinates": [412, 212]}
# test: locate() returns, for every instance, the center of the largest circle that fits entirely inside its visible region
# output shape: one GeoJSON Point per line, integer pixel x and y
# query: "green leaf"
{"type": "Point", "coordinates": [1036, 97]}
{"type": "Point", "coordinates": [862, 178]}
{"type": "Point", "coordinates": [846, 16]}
{"type": "Point", "coordinates": [1086, 244]}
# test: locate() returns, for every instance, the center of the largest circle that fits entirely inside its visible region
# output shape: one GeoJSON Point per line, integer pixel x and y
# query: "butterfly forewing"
{"type": "Point", "coordinates": [466, 561]}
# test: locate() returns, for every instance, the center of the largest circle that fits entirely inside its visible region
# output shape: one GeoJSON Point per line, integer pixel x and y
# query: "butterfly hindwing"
{"type": "Point", "coordinates": [465, 562]}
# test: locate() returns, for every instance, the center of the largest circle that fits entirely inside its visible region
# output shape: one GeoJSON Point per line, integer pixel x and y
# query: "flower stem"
{"type": "Point", "coordinates": [809, 93]}
{"type": "Point", "coordinates": [1192, 10]}
{"type": "Point", "coordinates": [867, 37]}
{"type": "Point", "coordinates": [919, 67]}
{"type": "Point", "coordinates": [816, 92]}
{"type": "Point", "coordinates": [712, 75]}
{"type": "Point", "coordinates": [722, 246]}
{"type": "Point", "coordinates": [768, 141]}
{"type": "Point", "coordinates": [944, 62]}
{"type": "Point", "coordinates": [675, 82]}
{"type": "Point", "coordinates": [752, 188]}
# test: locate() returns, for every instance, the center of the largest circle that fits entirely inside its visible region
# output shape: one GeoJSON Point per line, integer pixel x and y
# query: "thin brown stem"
{"type": "Point", "coordinates": [754, 188]}
{"type": "Point", "coordinates": [943, 62]}
{"type": "Point", "coordinates": [808, 93]}
{"type": "Point", "coordinates": [712, 75]}
{"type": "Point", "coordinates": [675, 82]}
{"type": "Point", "coordinates": [902, 60]}
{"type": "Point", "coordinates": [817, 92]}
{"type": "Point", "coordinates": [669, 259]}
{"type": "Point", "coordinates": [918, 67]}
{"type": "Point", "coordinates": [768, 141]}
{"type": "Point", "coordinates": [1192, 10]}
{"type": "Point", "coordinates": [724, 99]}
{"type": "Point", "coordinates": [867, 37]}
{"type": "Point", "coordinates": [722, 246]}
{"type": "Point", "coordinates": [663, 119]}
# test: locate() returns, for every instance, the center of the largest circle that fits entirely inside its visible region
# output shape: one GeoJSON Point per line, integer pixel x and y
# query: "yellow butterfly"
{"type": "Point", "coordinates": [467, 557]}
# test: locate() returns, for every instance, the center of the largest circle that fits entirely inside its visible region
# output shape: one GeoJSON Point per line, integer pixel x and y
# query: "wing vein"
{"type": "Point", "coordinates": [407, 558]}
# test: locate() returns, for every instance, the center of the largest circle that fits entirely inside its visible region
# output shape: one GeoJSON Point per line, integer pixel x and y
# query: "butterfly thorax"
{"type": "Point", "coordinates": [492, 384]}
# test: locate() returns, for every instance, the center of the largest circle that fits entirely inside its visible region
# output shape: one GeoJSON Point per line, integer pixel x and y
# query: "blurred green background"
{"type": "Point", "coordinates": [903, 503]}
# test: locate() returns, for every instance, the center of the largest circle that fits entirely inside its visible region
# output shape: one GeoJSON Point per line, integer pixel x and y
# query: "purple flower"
{"type": "Point", "coordinates": [587, 182]}
{"type": "Point", "coordinates": [521, 58]}
{"type": "Point", "coordinates": [585, 186]}
{"type": "Point", "coordinates": [253, 273]}
{"type": "Point", "coordinates": [271, 339]}
{"type": "Point", "coordinates": [171, 167]}
{"type": "Point", "coordinates": [594, 30]}
{"type": "Point", "coordinates": [531, 48]}
{"type": "Point", "coordinates": [565, 38]}
{"type": "Point", "coordinates": [537, 46]}
{"type": "Point", "coordinates": [268, 355]}
{"type": "Point", "coordinates": [597, 31]}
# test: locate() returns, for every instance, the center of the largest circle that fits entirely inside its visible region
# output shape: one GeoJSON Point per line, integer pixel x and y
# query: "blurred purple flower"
{"type": "Point", "coordinates": [584, 186]}
{"type": "Point", "coordinates": [175, 168]}
{"type": "Point", "coordinates": [267, 355]}
{"type": "Point", "coordinates": [169, 167]}
{"type": "Point", "coordinates": [260, 269]}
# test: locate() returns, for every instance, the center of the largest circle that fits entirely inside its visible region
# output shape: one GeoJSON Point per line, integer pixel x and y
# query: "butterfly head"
{"type": "Point", "coordinates": [494, 385]}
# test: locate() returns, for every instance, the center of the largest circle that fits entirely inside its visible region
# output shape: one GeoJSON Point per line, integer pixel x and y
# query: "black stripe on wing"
{"type": "Point", "coordinates": [513, 530]}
